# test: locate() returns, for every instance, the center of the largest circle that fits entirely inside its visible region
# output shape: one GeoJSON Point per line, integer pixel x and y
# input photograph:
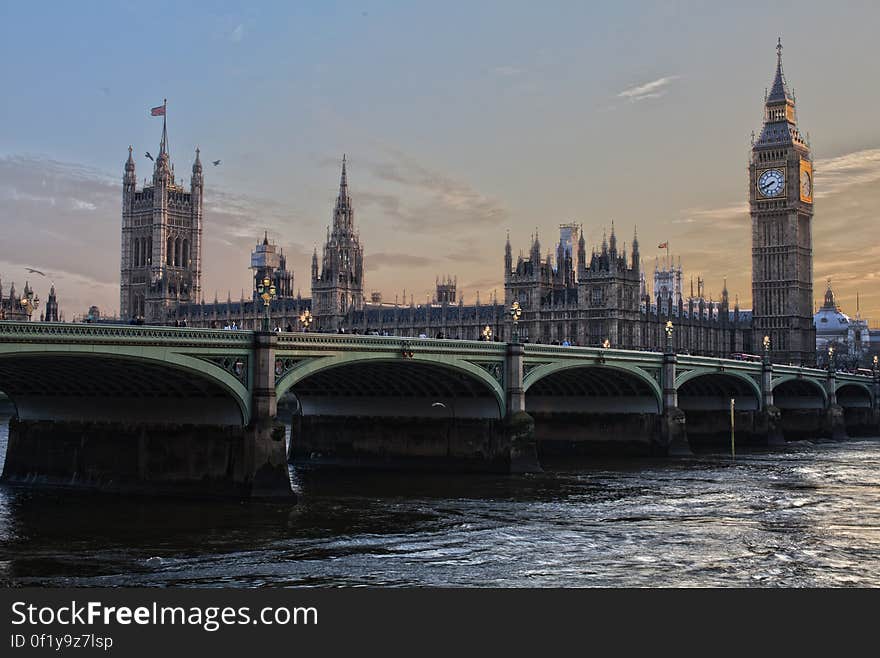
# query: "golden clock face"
{"type": "Point", "coordinates": [806, 181]}
{"type": "Point", "coordinates": [806, 184]}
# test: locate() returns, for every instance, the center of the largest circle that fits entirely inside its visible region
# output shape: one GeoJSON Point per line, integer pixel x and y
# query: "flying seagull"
{"type": "Point", "coordinates": [33, 271]}
{"type": "Point", "coordinates": [216, 162]}
{"type": "Point", "coordinates": [149, 156]}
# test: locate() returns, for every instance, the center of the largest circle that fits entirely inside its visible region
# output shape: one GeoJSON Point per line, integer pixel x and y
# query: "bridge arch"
{"type": "Point", "coordinates": [592, 408]}
{"type": "Point", "coordinates": [854, 395]}
{"type": "Point", "coordinates": [797, 392]}
{"type": "Point", "coordinates": [118, 383]}
{"type": "Point", "coordinates": [709, 389]}
{"type": "Point", "coordinates": [465, 388]}
{"type": "Point", "coordinates": [614, 387]}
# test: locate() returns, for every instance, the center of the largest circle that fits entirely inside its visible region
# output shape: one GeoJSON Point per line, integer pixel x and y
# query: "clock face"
{"type": "Point", "coordinates": [806, 184]}
{"type": "Point", "coordinates": [771, 183]}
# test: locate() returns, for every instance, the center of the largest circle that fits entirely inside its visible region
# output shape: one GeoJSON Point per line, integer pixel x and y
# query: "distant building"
{"type": "Point", "coordinates": [51, 312]}
{"type": "Point", "coordinates": [854, 343]}
{"type": "Point", "coordinates": [445, 290]}
{"type": "Point", "coordinates": [10, 303]}
{"type": "Point", "coordinates": [267, 260]}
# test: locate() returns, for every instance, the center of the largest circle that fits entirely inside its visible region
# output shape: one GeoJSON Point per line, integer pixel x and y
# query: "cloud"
{"type": "Point", "coordinates": [724, 217]}
{"type": "Point", "coordinates": [506, 71]}
{"type": "Point", "coordinates": [423, 200]}
{"type": "Point", "coordinates": [375, 261]}
{"type": "Point", "coordinates": [654, 89]}
{"type": "Point", "coordinates": [79, 204]}
{"type": "Point", "coordinates": [834, 175]}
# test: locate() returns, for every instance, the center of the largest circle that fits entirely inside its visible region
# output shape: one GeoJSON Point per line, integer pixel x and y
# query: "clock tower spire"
{"type": "Point", "coordinates": [781, 205]}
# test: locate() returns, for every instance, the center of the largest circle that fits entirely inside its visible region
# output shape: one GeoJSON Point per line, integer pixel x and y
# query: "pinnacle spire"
{"type": "Point", "coordinates": [779, 91]}
{"type": "Point", "coordinates": [343, 180]}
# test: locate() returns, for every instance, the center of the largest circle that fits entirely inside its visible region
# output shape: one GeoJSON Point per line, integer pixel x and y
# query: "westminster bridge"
{"type": "Point", "coordinates": [198, 411]}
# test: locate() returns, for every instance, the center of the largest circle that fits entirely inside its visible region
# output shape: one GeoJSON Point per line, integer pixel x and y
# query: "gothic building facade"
{"type": "Point", "coordinates": [781, 203]}
{"type": "Point", "coordinates": [12, 308]}
{"type": "Point", "coordinates": [568, 296]}
{"type": "Point", "coordinates": [338, 283]}
{"type": "Point", "coordinates": [588, 300]}
{"type": "Point", "coordinates": [161, 239]}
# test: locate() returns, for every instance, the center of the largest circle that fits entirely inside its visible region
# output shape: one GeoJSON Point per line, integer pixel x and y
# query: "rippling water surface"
{"type": "Point", "coordinates": [805, 515]}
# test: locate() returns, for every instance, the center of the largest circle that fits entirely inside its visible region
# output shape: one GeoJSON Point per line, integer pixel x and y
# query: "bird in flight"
{"type": "Point", "coordinates": [216, 162]}
{"type": "Point", "coordinates": [33, 271]}
{"type": "Point", "coordinates": [147, 154]}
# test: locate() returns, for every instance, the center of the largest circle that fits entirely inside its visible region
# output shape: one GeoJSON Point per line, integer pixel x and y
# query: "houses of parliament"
{"type": "Point", "coordinates": [569, 295]}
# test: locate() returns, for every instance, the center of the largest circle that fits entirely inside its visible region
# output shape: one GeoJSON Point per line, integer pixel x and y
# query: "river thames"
{"type": "Point", "coordinates": [806, 515]}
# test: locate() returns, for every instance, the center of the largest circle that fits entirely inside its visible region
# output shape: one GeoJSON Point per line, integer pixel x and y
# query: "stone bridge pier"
{"type": "Point", "coordinates": [144, 411]}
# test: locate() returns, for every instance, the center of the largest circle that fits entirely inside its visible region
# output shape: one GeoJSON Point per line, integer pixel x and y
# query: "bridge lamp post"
{"type": "Point", "coordinates": [830, 358]}
{"type": "Point", "coordinates": [606, 344]}
{"type": "Point", "coordinates": [306, 319]}
{"type": "Point", "coordinates": [266, 291]}
{"type": "Point", "coordinates": [487, 333]}
{"type": "Point", "coordinates": [451, 408]}
{"type": "Point", "coordinates": [515, 314]}
{"type": "Point", "coordinates": [669, 330]}
{"type": "Point", "coordinates": [766, 348]}
{"type": "Point", "coordinates": [30, 305]}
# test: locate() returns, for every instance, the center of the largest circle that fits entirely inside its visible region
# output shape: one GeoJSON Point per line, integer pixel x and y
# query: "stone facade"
{"type": "Point", "coordinates": [161, 240]}
{"type": "Point", "coordinates": [781, 203]}
{"type": "Point", "coordinates": [338, 285]}
{"type": "Point", "coordinates": [10, 304]}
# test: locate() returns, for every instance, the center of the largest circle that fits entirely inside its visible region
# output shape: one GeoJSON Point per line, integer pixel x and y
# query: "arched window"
{"type": "Point", "coordinates": [177, 258]}
{"type": "Point", "coordinates": [135, 245]}
{"type": "Point", "coordinates": [184, 258]}
{"type": "Point", "coordinates": [169, 252]}
{"type": "Point", "coordinates": [148, 256]}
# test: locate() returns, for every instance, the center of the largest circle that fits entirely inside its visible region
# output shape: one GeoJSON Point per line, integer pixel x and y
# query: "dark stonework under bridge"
{"type": "Point", "coordinates": [204, 412]}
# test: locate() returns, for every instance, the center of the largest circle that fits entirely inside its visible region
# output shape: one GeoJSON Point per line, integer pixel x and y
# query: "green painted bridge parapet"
{"type": "Point", "coordinates": [196, 409]}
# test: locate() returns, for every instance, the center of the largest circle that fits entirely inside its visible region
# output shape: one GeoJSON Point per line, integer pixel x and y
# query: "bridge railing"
{"type": "Point", "coordinates": [388, 343]}
{"type": "Point", "coordinates": [29, 332]}
{"type": "Point", "coordinates": [590, 352]}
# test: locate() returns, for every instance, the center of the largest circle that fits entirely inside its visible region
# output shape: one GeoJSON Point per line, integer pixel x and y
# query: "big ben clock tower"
{"type": "Point", "coordinates": [781, 204]}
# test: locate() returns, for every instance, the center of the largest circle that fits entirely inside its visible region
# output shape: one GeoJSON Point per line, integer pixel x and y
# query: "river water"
{"type": "Point", "coordinates": [804, 515]}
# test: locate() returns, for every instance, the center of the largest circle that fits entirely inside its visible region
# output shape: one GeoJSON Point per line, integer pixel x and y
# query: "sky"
{"type": "Point", "coordinates": [460, 121]}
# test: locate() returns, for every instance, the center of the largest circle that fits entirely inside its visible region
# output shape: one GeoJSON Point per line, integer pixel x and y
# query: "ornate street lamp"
{"type": "Point", "coordinates": [30, 305]}
{"type": "Point", "coordinates": [487, 332]}
{"type": "Point", "coordinates": [766, 344]}
{"type": "Point", "coordinates": [266, 292]}
{"type": "Point", "coordinates": [606, 343]}
{"type": "Point", "coordinates": [515, 314]}
{"type": "Point", "coordinates": [668, 329]}
{"type": "Point", "coordinates": [306, 319]}
{"type": "Point", "coordinates": [831, 357]}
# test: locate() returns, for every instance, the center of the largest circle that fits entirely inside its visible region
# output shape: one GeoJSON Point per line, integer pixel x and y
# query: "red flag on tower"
{"type": "Point", "coordinates": [158, 111]}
